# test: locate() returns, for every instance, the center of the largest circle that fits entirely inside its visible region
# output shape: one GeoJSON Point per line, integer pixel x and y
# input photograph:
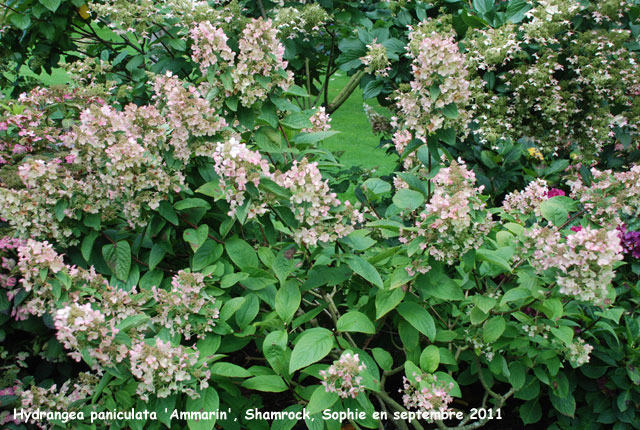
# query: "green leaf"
{"type": "Point", "coordinates": [494, 258]}
{"type": "Point", "coordinates": [516, 10]}
{"type": "Point", "coordinates": [207, 402]}
{"type": "Point", "coordinates": [19, 20]}
{"type": "Point", "coordinates": [288, 301]}
{"type": "Point", "coordinates": [166, 210]}
{"type": "Point", "coordinates": [192, 203]}
{"type": "Point", "coordinates": [206, 255]}
{"type": "Point", "coordinates": [132, 322]}
{"type": "Point", "coordinates": [408, 199]}
{"type": "Point", "coordinates": [59, 209]}
{"type": "Point", "coordinates": [321, 400]}
{"type": "Point", "coordinates": [419, 318]}
{"type": "Point", "coordinates": [387, 300]}
{"type": "Point", "coordinates": [52, 5]}
{"type": "Point", "coordinates": [266, 383]}
{"type": "Point", "coordinates": [313, 345]}
{"type": "Point", "coordinates": [87, 245]}
{"type": "Point", "coordinates": [530, 412]}
{"type": "Point", "coordinates": [309, 138]}
{"type": "Point", "coordinates": [383, 358]}
{"type": "Point", "coordinates": [123, 260]}
{"type": "Point", "coordinates": [211, 189]}
{"type": "Point", "coordinates": [515, 294]}
{"type": "Point", "coordinates": [356, 322]}
{"type": "Point", "coordinates": [436, 283]}
{"type": "Point", "coordinates": [297, 121]}
{"type": "Point", "coordinates": [563, 333]}
{"type": "Point", "coordinates": [556, 209]}
{"type": "Point", "coordinates": [493, 329]}
{"type": "Point", "coordinates": [229, 370]}
{"type": "Point", "coordinates": [156, 256]}
{"type": "Point", "coordinates": [450, 111]}
{"type": "Point", "coordinates": [517, 375]}
{"type": "Point", "coordinates": [372, 89]}
{"type": "Point", "coordinates": [430, 358]}
{"type": "Point", "coordinates": [566, 405]}
{"type": "Point", "coordinates": [296, 90]}
{"type": "Point", "coordinates": [241, 253]}
{"type": "Point", "coordinates": [483, 6]}
{"type": "Point", "coordinates": [365, 269]}
{"type": "Point", "coordinates": [273, 348]}
{"type": "Point", "coordinates": [376, 186]}
{"type": "Point", "coordinates": [282, 267]}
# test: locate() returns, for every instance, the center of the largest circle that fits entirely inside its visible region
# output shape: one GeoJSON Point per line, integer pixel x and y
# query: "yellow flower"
{"type": "Point", "coordinates": [83, 11]}
{"type": "Point", "coordinates": [534, 153]}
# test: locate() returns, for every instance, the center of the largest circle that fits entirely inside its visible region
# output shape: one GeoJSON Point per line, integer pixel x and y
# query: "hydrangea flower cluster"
{"type": "Point", "coordinates": [320, 120]}
{"type": "Point", "coordinates": [54, 398]}
{"type": "Point", "coordinates": [292, 22]}
{"type": "Point", "coordinates": [165, 369]}
{"type": "Point", "coordinates": [238, 166]}
{"type": "Point", "coordinates": [8, 258]}
{"type": "Point", "coordinates": [453, 221]}
{"type": "Point", "coordinates": [440, 89]}
{"type": "Point", "coordinates": [343, 376]}
{"type": "Point", "coordinates": [578, 352]}
{"type": "Point", "coordinates": [80, 327]}
{"type": "Point", "coordinates": [583, 262]}
{"type": "Point", "coordinates": [260, 66]}
{"type": "Point", "coordinates": [376, 61]}
{"type": "Point", "coordinates": [311, 200]}
{"type": "Point", "coordinates": [521, 204]}
{"type": "Point", "coordinates": [610, 194]}
{"type": "Point", "coordinates": [380, 124]}
{"type": "Point", "coordinates": [185, 309]}
{"type": "Point", "coordinates": [210, 47]}
{"type": "Point", "coordinates": [426, 393]}
{"type": "Point", "coordinates": [562, 95]}
{"type": "Point", "coordinates": [189, 113]}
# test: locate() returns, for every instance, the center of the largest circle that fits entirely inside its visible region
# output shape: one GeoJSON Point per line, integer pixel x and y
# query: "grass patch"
{"type": "Point", "coordinates": [356, 144]}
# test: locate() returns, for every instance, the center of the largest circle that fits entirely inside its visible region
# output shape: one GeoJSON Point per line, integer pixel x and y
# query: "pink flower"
{"type": "Point", "coordinates": [553, 192]}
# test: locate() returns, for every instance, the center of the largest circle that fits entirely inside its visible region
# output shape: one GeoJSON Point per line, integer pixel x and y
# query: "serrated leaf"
{"type": "Point", "coordinates": [207, 401]}
{"type": "Point", "coordinates": [430, 359]}
{"type": "Point", "coordinates": [493, 329]}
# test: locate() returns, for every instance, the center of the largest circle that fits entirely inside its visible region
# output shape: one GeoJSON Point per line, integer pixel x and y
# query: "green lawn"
{"type": "Point", "coordinates": [356, 141]}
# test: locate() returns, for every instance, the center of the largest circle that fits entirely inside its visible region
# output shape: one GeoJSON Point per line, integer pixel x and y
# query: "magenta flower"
{"type": "Point", "coordinates": [553, 192]}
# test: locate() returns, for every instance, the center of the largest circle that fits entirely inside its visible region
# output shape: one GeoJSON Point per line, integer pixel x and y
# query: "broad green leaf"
{"type": "Point", "coordinates": [430, 359]}
{"type": "Point", "coordinates": [52, 5]}
{"type": "Point", "coordinates": [566, 405]}
{"type": "Point", "coordinates": [383, 358]}
{"type": "Point", "coordinates": [387, 300]}
{"type": "Point", "coordinates": [530, 412]}
{"type": "Point", "coordinates": [267, 383]}
{"type": "Point", "coordinates": [288, 300]}
{"type": "Point", "coordinates": [282, 267]}
{"type": "Point", "coordinates": [206, 255]}
{"type": "Point", "coordinates": [313, 345]}
{"type": "Point", "coordinates": [297, 121]}
{"type": "Point", "coordinates": [156, 256]}
{"type": "Point", "coordinates": [192, 203]}
{"type": "Point", "coordinates": [87, 245]}
{"type": "Point", "coordinates": [207, 402]}
{"type": "Point", "coordinates": [318, 136]}
{"type": "Point", "coordinates": [419, 318]}
{"type": "Point", "coordinates": [321, 400]}
{"type": "Point", "coordinates": [241, 253]}
{"type": "Point", "coordinates": [408, 199]}
{"type": "Point", "coordinates": [517, 374]}
{"type": "Point", "coordinates": [229, 370]}
{"type": "Point", "coordinates": [376, 186]}
{"type": "Point", "coordinates": [273, 348]}
{"type": "Point", "coordinates": [494, 258]}
{"type": "Point", "coordinates": [355, 321]}
{"type": "Point", "coordinates": [123, 260]}
{"type": "Point", "coordinates": [493, 329]}
{"type": "Point", "coordinates": [365, 269]}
